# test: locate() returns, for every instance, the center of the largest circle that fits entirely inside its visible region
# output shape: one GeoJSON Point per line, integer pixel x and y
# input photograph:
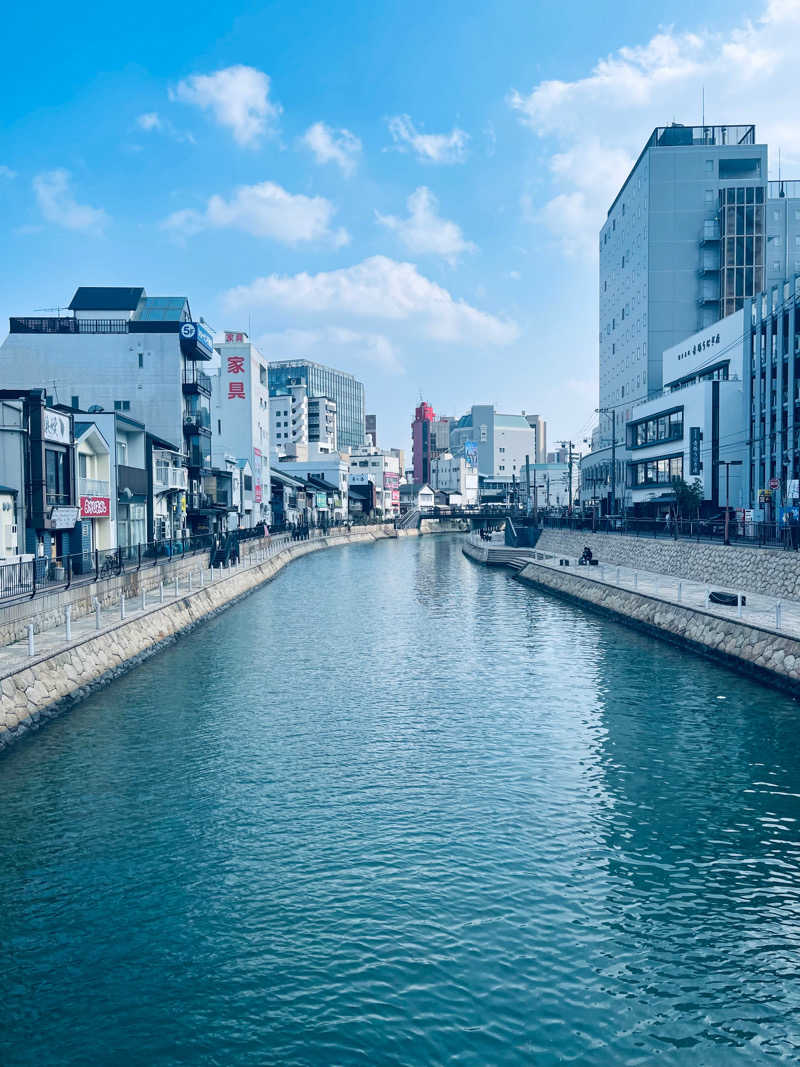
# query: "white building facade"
{"type": "Point", "coordinates": [382, 469]}
{"type": "Point", "coordinates": [453, 474]}
{"type": "Point", "coordinates": [241, 416]}
{"type": "Point", "coordinates": [696, 427]}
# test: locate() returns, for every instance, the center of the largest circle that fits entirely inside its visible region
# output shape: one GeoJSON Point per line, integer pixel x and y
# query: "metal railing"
{"type": "Point", "coordinates": [753, 534]}
{"type": "Point", "coordinates": [93, 487]}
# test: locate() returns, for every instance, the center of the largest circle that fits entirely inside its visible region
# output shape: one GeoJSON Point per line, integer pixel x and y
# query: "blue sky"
{"type": "Point", "coordinates": [410, 192]}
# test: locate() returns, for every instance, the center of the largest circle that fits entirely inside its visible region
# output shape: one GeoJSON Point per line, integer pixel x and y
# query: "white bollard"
{"type": "Point", "coordinates": [708, 593]}
{"type": "Point", "coordinates": [190, 581]}
{"type": "Point", "coordinates": [31, 649]}
{"type": "Point", "coordinates": [617, 575]}
{"type": "Point", "coordinates": [778, 615]}
{"type": "Point", "coordinates": [122, 605]}
{"type": "Point", "coordinates": [161, 592]}
{"type": "Point", "coordinates": [635, 579]}
{"type": "Point", "coordinates": [97, 613]}
{"type": "Point", "coordinates": [68, 621]}
{"type": "Point", "coordinates": [680, 591]}
{"type": "Point", "coordinates": [212, 574]}
{"type": "Point", "coordinates": [177, 586]}
{"type": "Point", "coordinates": [739, 606]}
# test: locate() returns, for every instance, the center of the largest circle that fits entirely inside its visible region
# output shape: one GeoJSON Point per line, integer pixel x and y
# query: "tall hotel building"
{"type": "Point", "coordinates": [684, 244]}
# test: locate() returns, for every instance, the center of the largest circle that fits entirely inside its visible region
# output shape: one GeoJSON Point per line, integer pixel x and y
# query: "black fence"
{"type": "Point", "coordinates": [39, 575]}
{"type": "Point", "coordinates": [753, 534]}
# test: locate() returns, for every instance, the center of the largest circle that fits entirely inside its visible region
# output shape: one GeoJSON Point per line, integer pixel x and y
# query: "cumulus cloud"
{"type": "Point", "coordinates": [625, 95]}
{"type": "Point", "coordinates": [424, 231]}
{"type": "Point", "coordinates": [378, 288]}
{"type": "Point", "coordinates": [336, 344]}
{"type": "Point", "coordinates": [333, 146]}
{"type": "Point", "coordinates": [237, 97]}
{"type": "Point", "coordinates": [57, 203]}
{"type": "Point", "coordinates": [263, 210]}
{"type": "Point", "coordinates": [428, 147]}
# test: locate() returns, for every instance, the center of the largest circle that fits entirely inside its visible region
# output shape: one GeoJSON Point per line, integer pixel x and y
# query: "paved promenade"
{"type": "Point", "coordinates": [16, 656]}
{"type": "Point", "coordinates": [768, 612]}
{"type": "Point", "coordinates": [779, 616]}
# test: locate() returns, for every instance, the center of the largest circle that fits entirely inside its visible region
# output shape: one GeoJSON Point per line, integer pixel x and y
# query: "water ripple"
{"type": "Point", "coordinates": [398, 809]}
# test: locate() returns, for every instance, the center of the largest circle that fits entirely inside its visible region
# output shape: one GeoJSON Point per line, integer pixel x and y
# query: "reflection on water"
{"type": "Point", "coordinates": [396, 808]}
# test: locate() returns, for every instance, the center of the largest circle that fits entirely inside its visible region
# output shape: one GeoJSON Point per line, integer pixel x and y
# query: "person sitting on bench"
{"type": "Point", "coordinates": [586, 557]}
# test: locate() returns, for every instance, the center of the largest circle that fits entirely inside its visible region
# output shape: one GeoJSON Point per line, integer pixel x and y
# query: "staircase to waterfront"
{"type": "Point", "coordinates": [409, 521]}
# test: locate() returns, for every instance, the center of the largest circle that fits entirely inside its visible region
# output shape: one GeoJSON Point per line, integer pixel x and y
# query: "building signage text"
{"type": "Point", "coordinates": [63, 518]}
{"type": "Point", "coordinates": [95, 507]}
{"type": "Point", "coordinates": [56, 427]}
{"type": "Point", "coordinates": [695, 437]}
{"type": "Point", "coordinates": [700, 346]}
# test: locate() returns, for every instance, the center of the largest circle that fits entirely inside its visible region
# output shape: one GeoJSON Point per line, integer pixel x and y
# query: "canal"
{"type": "Point", "coordinates": [395, 808]}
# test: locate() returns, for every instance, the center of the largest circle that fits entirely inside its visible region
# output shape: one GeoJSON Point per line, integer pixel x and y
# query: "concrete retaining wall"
{"type": "Point", "coordinates": [773, 572]}
{"type": "Point", "coordinates": [763, 653]}
{"type": "Point", "coordinates": [49, 684]}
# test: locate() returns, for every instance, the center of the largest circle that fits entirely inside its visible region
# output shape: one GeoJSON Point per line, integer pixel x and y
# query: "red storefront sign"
{"type": "Point", "coordinates": [95, 507]}
{"type": "Point", "coordinates": [258, 494]}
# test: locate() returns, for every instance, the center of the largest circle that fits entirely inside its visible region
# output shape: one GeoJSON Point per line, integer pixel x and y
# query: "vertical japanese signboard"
{"type": "Point", "coordinates": [694, 450]}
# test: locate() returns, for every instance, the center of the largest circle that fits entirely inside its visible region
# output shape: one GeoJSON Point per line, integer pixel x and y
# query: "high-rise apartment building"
{"type": "Point", "coordinates": [421, 442]}
{"type": "Point", "coordinates": [343, 389]}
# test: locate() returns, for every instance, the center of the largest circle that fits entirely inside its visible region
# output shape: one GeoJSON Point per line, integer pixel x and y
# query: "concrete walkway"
{"type": "Point", "coordinates": [17, 656]}
{"type": "Point", "coordinates": [766, 612]}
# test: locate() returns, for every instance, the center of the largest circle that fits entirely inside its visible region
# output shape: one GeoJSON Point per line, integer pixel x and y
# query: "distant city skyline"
{"type": "Point", "coordinates": [437, 234]}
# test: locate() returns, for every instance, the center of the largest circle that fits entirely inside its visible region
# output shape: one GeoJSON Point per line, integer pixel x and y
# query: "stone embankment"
{"type": "Point", "coordinates": [49, 683]}
{"type": "Point", "coordinates": [727, 635]}
{"type": "Point", "coordinates": [771, 571]}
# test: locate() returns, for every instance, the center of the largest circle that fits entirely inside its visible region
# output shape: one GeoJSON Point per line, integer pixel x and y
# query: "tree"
{"type": "Point", "coordinates": [688, 498]}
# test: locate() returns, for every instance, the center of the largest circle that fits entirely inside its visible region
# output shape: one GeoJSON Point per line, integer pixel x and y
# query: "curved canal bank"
{"type": "Point", "coordinates": [746, 643]}
{"type": "Point", "coordinates": [396, 809]}
{"type": "Point", "coordinates": [39, 687]}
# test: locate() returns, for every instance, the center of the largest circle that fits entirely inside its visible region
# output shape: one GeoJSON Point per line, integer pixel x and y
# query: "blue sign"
{"type": "Point", "coordinates": [197, 341]}
{"type": "Point", "coordinates": [471, 453]}
{"type": "Point", "coordinates": [695, 436]}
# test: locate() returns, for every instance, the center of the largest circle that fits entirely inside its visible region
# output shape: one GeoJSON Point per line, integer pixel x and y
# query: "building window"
{"type": "Point", "coordinates": [262, 374]}
{"type": "Point", "coordinates": [141, 361]}
{"type": "Point", "coordinates": [122, 405]}
{"type": "Point", "coordinates": [76, 403]}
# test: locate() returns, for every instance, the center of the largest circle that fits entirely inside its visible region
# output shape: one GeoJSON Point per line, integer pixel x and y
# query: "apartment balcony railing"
{"type": "Point", "coordinates": [710, 231]}
{"type": "Point", "coordinates": [169, 477]}
{"type": "Point", "coordinates": [93, 487]}
{"type": "Point", "coordinates": [195, 381]}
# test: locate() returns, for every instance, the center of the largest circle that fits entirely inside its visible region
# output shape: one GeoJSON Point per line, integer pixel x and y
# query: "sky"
{"type": "Point", "coordinates": [410, 192]}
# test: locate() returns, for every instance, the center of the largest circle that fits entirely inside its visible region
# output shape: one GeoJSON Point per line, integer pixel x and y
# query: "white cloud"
{"type": "Point", "coordinates": [7, 172]}
{"type": "Point", "coordinates": [377, 288]}
{"type": "Point", "coordinates": [263, 210]}
{"type": "Point", "coordinates": [593, 128]}
{"type": "Point", "coordinates": [428, 147]}
{"type": "Point", "coordinates": [58, 205]}
{"type": "Point", "coordinates": [336, 344]}
{"type": "Point", "coordinates": [238, 98]}
{"type": "Point", "coordinates": [333, 146]}
{"type": "Point", "coordinates": [424, 231]}
{"type": "Point", "coordinates": [151, 120]}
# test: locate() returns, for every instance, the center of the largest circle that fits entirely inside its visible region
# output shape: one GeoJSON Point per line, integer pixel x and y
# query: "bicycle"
{"type": "Point", "coordinates": [111, 566]}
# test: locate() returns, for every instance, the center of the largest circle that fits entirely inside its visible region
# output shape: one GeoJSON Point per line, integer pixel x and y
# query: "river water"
{"type": "Point", "coordinates": [396, 808]}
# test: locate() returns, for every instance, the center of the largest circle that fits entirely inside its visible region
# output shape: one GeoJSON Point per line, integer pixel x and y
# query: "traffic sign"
{"type": "Point", "coordinates": [774, 483]}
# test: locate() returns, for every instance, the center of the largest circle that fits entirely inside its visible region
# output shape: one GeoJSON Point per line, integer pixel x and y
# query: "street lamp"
{"type": "Point", "coordinates": [727, 464]}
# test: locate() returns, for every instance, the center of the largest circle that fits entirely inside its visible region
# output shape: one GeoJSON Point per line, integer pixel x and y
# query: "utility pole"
{"type": "Point", "coordinates": [570, 445]}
